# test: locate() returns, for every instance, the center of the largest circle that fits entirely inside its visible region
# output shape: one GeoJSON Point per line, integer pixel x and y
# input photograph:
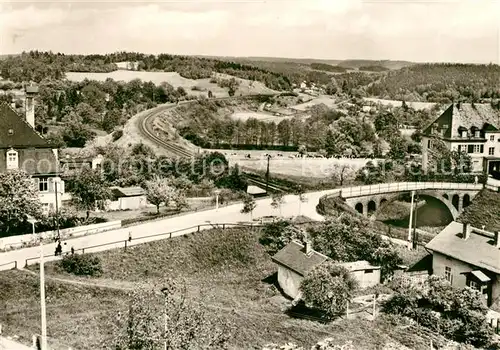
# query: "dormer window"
{"type": "Point", "coordinates": [464, 133]}
{"type": "Point", "coordinates": [12, 160]}
{"type": "Point", "coordinates": [477, 133]}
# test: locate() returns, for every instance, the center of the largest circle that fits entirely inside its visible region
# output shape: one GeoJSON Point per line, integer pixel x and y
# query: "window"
{"type": "Point", "coordinates": [43, 184]}
{"type": "Point", "coordinates": [369, 271]}
{"type": "Point", "coordinates": [45, 208]}
{"type": "Point", "coordinates": [429, 144]}
{"type": "Point", "coordinates": [12, 160]}
{"type": "Point", "coordinates": [447, 273]}
{"type": "Point", "coordinates": [492, 137]}
{"type": "Point", "coordinates": [491, 151]}
{"type": "Point", "coordinates": [473, 285]}
{"type": "Point", "coordinates": [477, 133]}
{"type": "Point", "coordinates": [464, 133]}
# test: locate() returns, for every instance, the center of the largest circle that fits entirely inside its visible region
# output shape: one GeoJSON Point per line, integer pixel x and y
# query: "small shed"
{"type": "Point", "coordinates": [256, 191]}
{"type": "Point", "coordinates": [294, 261]}
{"type": "Point", "coordinates": [366, 274]}
{"type": "Point", "coordinates": [127, 198]}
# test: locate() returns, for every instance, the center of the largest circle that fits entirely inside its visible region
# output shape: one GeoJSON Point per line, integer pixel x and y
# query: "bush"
{"type": "Point", "coordinates": [458, 314]}
{"type": "Point", "coordinates": [117, 135]}
{"type": "Point", "coordinates": [82, 265]}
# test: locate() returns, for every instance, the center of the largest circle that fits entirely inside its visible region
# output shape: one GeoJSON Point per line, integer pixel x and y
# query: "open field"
{"type": "Point", "coordinates": [395, 103]}
{"type": "Point", "coordinates": [308, 167]}
{"type": "Point", "coordinates": [326, 100]}
{"type": "Point", "coordinates": [246, 87]}
{"type": "Point", "coordinates": [261, 116]}
{"type": "Point", "coordinates": [234, 284]}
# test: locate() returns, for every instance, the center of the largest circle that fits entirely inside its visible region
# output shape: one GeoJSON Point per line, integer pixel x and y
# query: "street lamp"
{"type": "Point", "coordinates": [217, 192]}
{"type": "Point", "coordinates": [32, 221]}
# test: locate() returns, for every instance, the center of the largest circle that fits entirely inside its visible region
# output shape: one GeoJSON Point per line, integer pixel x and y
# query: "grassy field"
{"type": "Point", "coordinates": [261, 116]}
{"type": "Point", "coordinates": [246, 87]}
{"type": "Point", "coordinates": [414, 105]}
{"type": "Point", "coordinates": [309, 167]}
{"type": "Point", "coordinates": [227, 272]}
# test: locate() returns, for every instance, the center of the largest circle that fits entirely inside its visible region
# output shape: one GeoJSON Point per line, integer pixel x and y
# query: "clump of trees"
{"type": "Point", "coordinates": [457, 313]}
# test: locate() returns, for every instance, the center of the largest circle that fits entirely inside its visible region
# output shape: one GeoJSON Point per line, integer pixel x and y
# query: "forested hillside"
{"type": "Point", "coordinates": [36, 66]}
{"type": "Point", "coordinates": [439, 83]}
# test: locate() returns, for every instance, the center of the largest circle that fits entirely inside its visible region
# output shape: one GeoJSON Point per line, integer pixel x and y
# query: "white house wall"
{"type": "Point", "coordinates": [289, 281]}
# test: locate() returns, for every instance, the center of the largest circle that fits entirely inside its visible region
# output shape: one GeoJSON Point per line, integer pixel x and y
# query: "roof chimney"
{"type": "Point", "coordinates": [308, 247]}
{"type": "Point", "coordinates": [467, 229]}
{"type": "Point", "coordinates": [30, 91]}
{"type": "Point", "coordinates": [497, 239]}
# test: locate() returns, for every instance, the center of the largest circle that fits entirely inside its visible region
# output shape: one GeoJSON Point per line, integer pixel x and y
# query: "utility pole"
{"type": "Point", "coordinates": [410, 243]}
{"type": "Point", "coordinates": [57, 211]}
{"type": "Point", "coordinates": [415, 241]}
{"type": "Point", "coordinates": [165, 317]}
{"type": "Point", "coordinates": [42, 289]}
{"type": "Point", "coordinates": [267, 172]}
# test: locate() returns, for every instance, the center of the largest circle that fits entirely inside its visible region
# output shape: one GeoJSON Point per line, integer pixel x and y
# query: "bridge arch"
{"type": "Point", "coordinates": [455, 201]}
{"type": "Point", "coordinates": [453, 211]}
{"type": "Point", "coordinates": [359, 208]}
{"type": "Point", "coordinates": [466, 200]}
{"type": "Point", "coordinates": [372, 206]}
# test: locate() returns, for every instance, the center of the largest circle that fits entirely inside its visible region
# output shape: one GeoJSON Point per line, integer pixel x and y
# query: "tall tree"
{"type": "Point", "coordinates": [158, 192]}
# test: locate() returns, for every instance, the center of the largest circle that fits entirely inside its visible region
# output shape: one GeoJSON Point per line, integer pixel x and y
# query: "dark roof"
{"type": "Point", "coordinates": [466, 116]}
{"type": "Point", "coordinates": [127, 191]}
{"type": "Point", "coordinates": [16, 132]}
{"type": "Point", "coordinates": [478, 250]}
{"type": "Point", "coordinates": [293, 257]}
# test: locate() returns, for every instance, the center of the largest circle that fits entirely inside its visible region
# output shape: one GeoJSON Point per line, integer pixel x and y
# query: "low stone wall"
{"type": "Point", "coordinates": [21, 241]}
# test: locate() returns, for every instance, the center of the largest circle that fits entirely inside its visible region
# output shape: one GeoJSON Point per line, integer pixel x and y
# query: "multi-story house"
{"type": "Point", "coordinates": [472, 128]}
{"type": "Point", "coordinates": [21, 147]}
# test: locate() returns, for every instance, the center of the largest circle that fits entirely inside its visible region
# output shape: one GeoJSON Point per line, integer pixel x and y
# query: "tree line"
{"type": "Point", "coordinates": [38, 66]}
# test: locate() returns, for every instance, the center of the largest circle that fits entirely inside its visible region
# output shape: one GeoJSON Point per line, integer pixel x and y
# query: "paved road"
{"type": "Point", "coordinates": [6, 344]}
{"type": "Point", "coordinates": [229, 214]}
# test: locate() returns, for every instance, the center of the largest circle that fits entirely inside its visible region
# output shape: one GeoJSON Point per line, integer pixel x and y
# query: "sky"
{"type": "Point", "coordinates": [421, 31]}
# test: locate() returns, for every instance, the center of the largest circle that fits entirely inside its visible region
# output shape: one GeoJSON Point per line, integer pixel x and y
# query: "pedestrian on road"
{"type": "Point", "coordinates": [72, 251]}
{"type": "Point", "coordinates": [475, 180]}
{"type": "Point", "coordinates": [130, 236]}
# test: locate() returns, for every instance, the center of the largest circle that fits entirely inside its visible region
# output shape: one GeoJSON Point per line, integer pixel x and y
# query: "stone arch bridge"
{"type": "Point", "coordinates": [368, 199]}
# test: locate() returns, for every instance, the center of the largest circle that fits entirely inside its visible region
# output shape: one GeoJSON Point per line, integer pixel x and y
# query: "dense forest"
{"type": "Point", "coordinates": [37, 66]}
{"type": "Point", "coordinates": [74, 110]}
{"type": "Point", "coordinates": [328, 67]}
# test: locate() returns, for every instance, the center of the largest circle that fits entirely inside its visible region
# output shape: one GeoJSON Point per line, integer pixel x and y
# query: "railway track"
{"type": "Point", "coordinates": [145, 126]}
{"type": "Point", "coordinates": [257, 181]}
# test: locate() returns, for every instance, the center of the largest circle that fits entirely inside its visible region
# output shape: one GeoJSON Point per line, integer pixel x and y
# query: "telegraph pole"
{"type": "Point", "coordinates": [410, 242]}
{"type": "Point", "coordinates": [415, 241]}
{"type": "Point", "coordinates": [267, 172]}
{"type": "Point", "coordinates": [57, 211]}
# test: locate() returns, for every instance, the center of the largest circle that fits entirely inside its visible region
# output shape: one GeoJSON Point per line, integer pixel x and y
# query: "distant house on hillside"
{"type": "Point", "coordinates": [468, 256]}
{"type": "Point", "coordinates": [295, 260]}
{"type": "Point", "coordinates": [470, 128]}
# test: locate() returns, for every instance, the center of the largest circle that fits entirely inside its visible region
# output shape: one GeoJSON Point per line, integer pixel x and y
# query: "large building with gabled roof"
{"type": "Point", "coordinates": [468, 127]}
{"type": "Point", "coordinates": [21, 147]}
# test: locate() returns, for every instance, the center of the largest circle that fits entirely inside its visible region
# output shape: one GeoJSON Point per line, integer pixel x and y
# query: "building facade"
{"type": "Point", "coordinates": [22, 148]}
{"type": "Point", "coordinates": [468, 256]}
{"type": "Point", "coordinates": [470, 128]}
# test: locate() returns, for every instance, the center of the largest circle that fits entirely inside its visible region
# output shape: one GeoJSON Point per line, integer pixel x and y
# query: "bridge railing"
{"type": "Point", "coordinates": [367, 190]}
